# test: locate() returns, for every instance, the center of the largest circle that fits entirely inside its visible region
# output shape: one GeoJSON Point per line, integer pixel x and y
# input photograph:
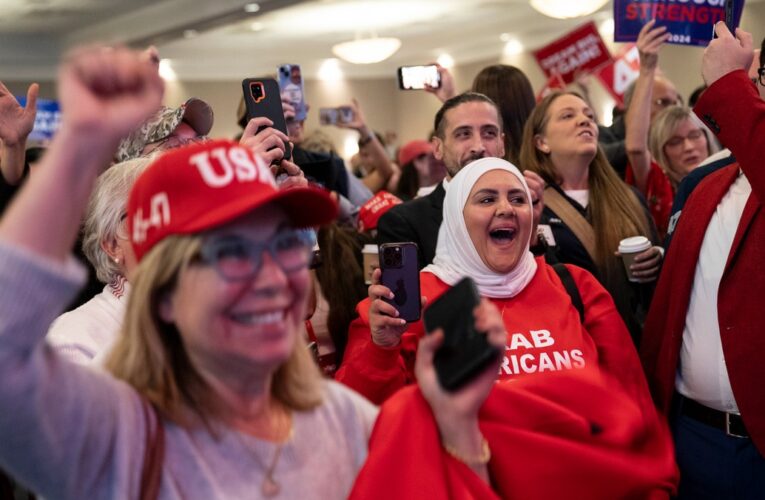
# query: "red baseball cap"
{"type": "Point", "coordinates": [205, 185]}
{"type": "Point", "coordinates": [371, 211]}
{"type": "Point", "coordinates": [412, 150]}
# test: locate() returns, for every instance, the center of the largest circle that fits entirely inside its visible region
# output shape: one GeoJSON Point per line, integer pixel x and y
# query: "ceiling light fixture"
{"type": "Point", "coordinates": [251, 8]}
{"type": "Point", "coordinates": [513, 47]}
{"type": "Point", "coordinates": [566, 9]}
{"type": "Point", "coordinates": [446, 61]}
{"type": "Point", "coordinates": [367, 50]}
{"type": "Point", "coordinates": [330, 71]}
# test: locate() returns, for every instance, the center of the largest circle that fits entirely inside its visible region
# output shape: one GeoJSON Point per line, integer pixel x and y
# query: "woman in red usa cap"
{"type": "Point", "coordinates": [211, 391]}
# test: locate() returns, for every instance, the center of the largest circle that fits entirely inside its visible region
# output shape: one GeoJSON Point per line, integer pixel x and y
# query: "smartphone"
{"type": "Point", "coordinates": [401, 274]}
{"type": "Point", "coordinates": [262, 98]}
{"type": "Point", "coordinates": [416, 77]}
{"type": "Point", "coordinates": [465, 352]}
{"type": "Point", "coordinates": [728, 18]}
{"type": "Point", "coordinates": [291, 85]}
{"type": "Point", "coordinates": [333, 116]}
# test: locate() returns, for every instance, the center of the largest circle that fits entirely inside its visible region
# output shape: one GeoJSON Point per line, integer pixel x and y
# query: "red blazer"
{"type": "Point", "coordinates": [734, 111]}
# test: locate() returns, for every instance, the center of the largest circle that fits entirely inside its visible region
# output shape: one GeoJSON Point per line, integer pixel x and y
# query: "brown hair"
{"type": "Point", "coordinates": [341, 249]}
{"type": "Point", "coordinates": [511, 90]}
{"type": "Point", "coordinates": [615, 210]}
{"type": "Point", "coordinates": [150, 354]}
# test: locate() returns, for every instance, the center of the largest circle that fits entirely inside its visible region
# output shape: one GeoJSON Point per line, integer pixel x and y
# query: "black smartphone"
{"type": "Point", "coordinates": [291, 85]}
{"type": "Point", "coordinates": [401, 274]}
{"type": "Point", "coordinates": [416, 77]}
{"type": "Point", "coordinates": [728, 18]}
{"type": "Point", "coordinates": [262, 98]}
{"type": "Point", "coordinates": [465, 352]}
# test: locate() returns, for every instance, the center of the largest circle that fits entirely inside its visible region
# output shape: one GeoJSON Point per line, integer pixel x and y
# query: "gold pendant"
{"type": "Point", "coordinates": [269, 488]}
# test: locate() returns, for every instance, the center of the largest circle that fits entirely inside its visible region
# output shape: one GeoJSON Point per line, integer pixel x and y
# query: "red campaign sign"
{"type": "Point", "coordinates": [618, 75]}
{"type": "Point", "coordinates": [555, 82]}
{"type": "Point", "coordinates": [581, 51]}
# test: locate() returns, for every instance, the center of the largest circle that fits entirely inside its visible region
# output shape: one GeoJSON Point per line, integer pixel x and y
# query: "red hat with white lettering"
{"type": "Point", "coordinates": [205, 185]}
{"type": "Point", "coordinates": [371, 211]}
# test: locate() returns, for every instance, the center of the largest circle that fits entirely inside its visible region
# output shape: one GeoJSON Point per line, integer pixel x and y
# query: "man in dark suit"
{"type": "Point", "coordinates": [468, 127]}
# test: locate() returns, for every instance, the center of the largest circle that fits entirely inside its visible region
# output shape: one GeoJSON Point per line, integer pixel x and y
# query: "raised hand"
{"type": "Point", "coordinates": [456, 413]}
{"type": "Point", "coordinates": [726, 53]}
{"type": "Point", "coordinates": [108, 92]}
{"type": "Point", "coordinates": [268, 144]}
{"type": "Point", "coordinates": [649, 42]}
{"type": "Point", "coordinates": [385, 325]}
{"type": "Point", "coordinates": [446, 90]}
{"type": "Point", "coordinates": [16, 122]}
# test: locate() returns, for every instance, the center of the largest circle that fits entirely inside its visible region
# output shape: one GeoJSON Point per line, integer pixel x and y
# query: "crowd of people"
{"type": "Point", "coordinates": [236, 342]}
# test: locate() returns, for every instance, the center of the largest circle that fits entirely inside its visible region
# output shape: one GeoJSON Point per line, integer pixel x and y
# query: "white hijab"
{"type": "Point", "coordinates": [456, 257]}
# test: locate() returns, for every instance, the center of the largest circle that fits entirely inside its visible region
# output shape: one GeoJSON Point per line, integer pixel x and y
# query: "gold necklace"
{"type": "Point", "coordinates": [270, 487]}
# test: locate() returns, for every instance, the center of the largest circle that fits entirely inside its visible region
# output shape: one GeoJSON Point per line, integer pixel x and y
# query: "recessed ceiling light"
{"type": "Point", "coordinates": [190, 33]}
{"type": "Point", "coordinates": [446, 61]}
{"type": "Point", "coordinates": [251, 7]}
{"type": "Point", "coordinates": [330, 71]}
{"type": "Point", "coordinates": [257, 26]}
{"type": "Point", "coordinates": [513, 47]}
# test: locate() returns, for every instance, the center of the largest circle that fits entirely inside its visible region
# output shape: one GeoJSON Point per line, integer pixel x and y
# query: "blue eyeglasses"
{"type": "Point", "coordinates": [237, 259]}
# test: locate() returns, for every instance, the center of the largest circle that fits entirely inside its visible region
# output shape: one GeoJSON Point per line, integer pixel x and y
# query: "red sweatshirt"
{"type": "Point", "coordinates": [545, 335]}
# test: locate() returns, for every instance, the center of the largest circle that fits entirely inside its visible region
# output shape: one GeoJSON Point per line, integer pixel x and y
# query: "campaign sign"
{"type": "Point", "coordinates": [690, 22]}
{"type": "Point", "coordinates": [47, 119]}
{"type": "Point", "coordinates": [579, 52]}
{"type": "Point", "coordinates": [617, 76]}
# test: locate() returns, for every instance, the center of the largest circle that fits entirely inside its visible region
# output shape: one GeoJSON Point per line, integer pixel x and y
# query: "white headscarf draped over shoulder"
{"type": "Point", "coordinates": [456, 257]}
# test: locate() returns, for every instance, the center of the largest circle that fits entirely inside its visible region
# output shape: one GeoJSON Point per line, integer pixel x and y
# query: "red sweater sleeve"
{"type": "Point", "coordinates": [617, 355]}
{"type": "Point", "coordinates": [374, 372]}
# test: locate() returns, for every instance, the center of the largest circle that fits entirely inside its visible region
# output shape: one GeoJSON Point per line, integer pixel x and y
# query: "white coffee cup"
{"type": "Point", "coordinates": [629, 248]}
{"type": "Point", "coordinates": [371, 256]}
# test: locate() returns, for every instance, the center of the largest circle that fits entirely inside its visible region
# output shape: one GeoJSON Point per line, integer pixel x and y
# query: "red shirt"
{"type": "Point", "coordinates": [659, 195]}
{"type": "Point", "coordinates": [545, 335]}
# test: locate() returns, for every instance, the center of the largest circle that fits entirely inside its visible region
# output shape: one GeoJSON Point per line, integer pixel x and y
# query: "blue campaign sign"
{"type": "Point", "coordinates": [689, 21]}
{"type": "Point", "coordinates": [47, 119]}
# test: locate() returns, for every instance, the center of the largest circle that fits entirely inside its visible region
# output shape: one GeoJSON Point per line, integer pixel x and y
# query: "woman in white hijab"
{"type": "Point", "coordinates": [485, 235]}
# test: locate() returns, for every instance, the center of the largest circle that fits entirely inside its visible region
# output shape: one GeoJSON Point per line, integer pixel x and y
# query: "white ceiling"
{"type": "Point", "coordinates": [34, 33]}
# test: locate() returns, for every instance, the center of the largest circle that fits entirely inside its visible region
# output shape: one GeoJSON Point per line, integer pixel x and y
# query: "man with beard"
{"type": "Point", "coordinates": [467, 127]}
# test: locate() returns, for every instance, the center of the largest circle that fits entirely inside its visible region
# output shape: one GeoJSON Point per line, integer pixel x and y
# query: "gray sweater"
{"type": "Point", "coordinates": [70, 432]}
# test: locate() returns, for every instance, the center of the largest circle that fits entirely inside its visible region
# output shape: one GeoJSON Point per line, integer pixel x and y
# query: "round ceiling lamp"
{"type": "Point", "coordinates": [566, 9]}
{"type": "Point", "coordinates": [367, 50]}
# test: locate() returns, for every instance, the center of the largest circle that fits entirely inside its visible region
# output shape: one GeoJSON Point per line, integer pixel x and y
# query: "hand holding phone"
{"type": "Point", "coordinates": [291, 85]}
{"type": "Point", "coordinates": [340, 116]}
{"type": "Point", "coordinates": [466, 351]}
{"type": "Point", "coordinates": [263, 100]}
{"type": "Point", "coordinates": [419, 77]}
{"type": "Point", "coordinates": [401, 275]}
{"type": "Point", "coordinates": [384, 325]}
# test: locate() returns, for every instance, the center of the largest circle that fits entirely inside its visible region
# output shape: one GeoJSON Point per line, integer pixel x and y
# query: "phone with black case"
{"type": "Point", "coordinates": [401, 274]}
{"type": "Point", "coordinates": [465, 352]}
{"type": "Point", "coordinates": [263, 98]}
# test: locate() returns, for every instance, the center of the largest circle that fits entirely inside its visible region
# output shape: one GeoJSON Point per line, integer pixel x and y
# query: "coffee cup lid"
{"type": "Point", "coordinates": [634, 244]}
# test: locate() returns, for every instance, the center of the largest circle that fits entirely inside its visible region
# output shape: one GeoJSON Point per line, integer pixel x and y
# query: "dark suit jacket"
{"type": "Point", "coordinates": [732, 108]}
{"type": "Point", "coordinates": [418, 221]}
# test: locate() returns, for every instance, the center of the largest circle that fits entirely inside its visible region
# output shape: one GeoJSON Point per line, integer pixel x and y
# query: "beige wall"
{"type": "Point", "coordinates": [410, 113]}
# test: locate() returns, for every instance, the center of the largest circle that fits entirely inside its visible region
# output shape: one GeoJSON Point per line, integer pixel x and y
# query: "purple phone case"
{"type": "Point", "coordinates": [403, 280]}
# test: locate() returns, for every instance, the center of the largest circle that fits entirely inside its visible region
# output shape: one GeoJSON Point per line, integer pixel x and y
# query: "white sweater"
{"type": "Point", "coordinates": [91, 329]}
{"type": "Point", "coordinates": [71, 432]}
